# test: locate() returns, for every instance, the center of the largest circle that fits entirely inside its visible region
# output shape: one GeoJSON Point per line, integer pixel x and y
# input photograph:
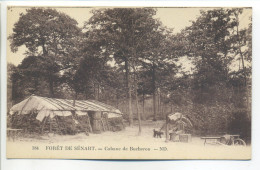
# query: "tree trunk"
{"type": "Point", "coordinates": [162, 108]}
{"type": "Point", "coordinates": [45, 54]}
{"type": "Point", "coordinates": [159, 102]}
{"type": "Point", "coordinates": [129, 96]}
{"type": "Point", "coordinates": [154, 106]}
{"type": "Point", "coordinates": [117, 100]}
{"type": "Point", "coordinates": [36, 83]}
{"type": "Point", "coordinates": [75, 98]}
{"type": "Point", "coordinates": [98, 86]}
{"type": "Point", "coordinates": [94, 91]}
{"type": "Point", "coordinates": [137, 104]}
{"type": "Point", "coordinates": [14, 91]}
{"type": "Point", "coordinates": [167, 129]}
{"type": "Point", "coordinates": [242, 57]}
{"type": "Point", "coordinates": [143, 114]}
{"type": "Point", "coordinates": [85, 92]}
{"type": "Point", "coordinates": [51, 91]}
{"type": "Point", "coordinates": [154, 92]}
{"type": "Point", "coordinates": [244, 70]}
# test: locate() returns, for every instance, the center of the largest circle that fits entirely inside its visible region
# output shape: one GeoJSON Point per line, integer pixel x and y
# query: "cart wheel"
{"type": "Point", "coordinates": [239, 142]}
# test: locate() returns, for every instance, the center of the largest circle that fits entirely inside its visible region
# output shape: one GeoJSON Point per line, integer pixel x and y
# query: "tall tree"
{"type": "Point", "coordinates": [242, 48]}
{"type": "Point", "coordinates": [214, 42]}
{"type": "Point", "coordinates": [48, 33]}
{"type": "Point", "coordinates": [159, 59]}
{"type": "Point", "coordinates": [124, 31]}
{"type": "Point", "coordinates": [208, 42]}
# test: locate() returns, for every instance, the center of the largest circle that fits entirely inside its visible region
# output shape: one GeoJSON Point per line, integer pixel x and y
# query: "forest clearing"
{"type": "Point", "coordinates": [135, 76]}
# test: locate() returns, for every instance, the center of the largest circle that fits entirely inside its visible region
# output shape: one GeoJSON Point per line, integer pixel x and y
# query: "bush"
{"type": "Point", "coordinates": [240, 124]}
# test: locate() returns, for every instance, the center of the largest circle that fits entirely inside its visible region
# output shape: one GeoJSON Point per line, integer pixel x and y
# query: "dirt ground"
{"type": "Point", "coordinates": [128, 134]}
{"type": "Point", "coordinates": [129, 138]}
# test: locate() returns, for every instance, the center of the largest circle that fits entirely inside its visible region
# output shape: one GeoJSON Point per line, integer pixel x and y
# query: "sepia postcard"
{"type": "Point", "coordinates": [129, 82]}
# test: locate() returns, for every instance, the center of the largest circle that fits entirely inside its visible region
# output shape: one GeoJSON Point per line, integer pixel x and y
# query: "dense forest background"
{"type": "Point", "coordinates": [125, 57]}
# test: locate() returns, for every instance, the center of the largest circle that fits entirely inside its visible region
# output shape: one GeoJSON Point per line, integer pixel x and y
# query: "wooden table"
{"type": "Point", "coordinates": [216, 140]}
{"type": "Point", "coordinates": [13, 133]}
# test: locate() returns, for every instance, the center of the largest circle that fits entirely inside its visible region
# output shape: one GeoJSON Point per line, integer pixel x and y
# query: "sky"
{"type": "Point", "coordinates": [176, 18]}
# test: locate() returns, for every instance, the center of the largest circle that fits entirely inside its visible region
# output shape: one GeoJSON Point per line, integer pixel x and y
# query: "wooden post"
{"type": "Point", "coordinates": [103, 126]}
{"type": "Point", "coordinates": [90, 128]}
{"type": "Point", "coordinates": [167, 129]}
{"type": "Point", "coordinates": [43, 124]}
{"type": "Point", "coordinates": [108, 125]}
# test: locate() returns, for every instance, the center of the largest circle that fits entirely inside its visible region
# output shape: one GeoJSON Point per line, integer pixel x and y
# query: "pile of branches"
{"type": "Point", "coordinates": [116, 123]}
{"type": "Point", "coordinates": [27, 122]}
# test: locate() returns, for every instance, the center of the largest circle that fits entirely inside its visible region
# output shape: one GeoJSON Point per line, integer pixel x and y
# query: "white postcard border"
{"type": "Point", "coordinates": [195, 164]}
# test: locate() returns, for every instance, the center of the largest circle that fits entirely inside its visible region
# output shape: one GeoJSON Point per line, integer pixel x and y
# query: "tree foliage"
{"type": "Point", "coordinates": [49, 34]}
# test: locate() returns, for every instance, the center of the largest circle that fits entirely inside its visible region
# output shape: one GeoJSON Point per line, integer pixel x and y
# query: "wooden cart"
{"type": "Point", "coordinates": [224, 140]}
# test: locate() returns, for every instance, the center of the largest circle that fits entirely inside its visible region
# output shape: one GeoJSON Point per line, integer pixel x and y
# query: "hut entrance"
{"type": "Point", "coordinates": [99, 121]}
{"type": "Point", "coordinates": [95, 121]}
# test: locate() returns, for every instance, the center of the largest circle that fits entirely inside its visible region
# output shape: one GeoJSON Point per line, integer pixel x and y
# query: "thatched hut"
{"type": "Point", "coordinates": [62, 116]}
